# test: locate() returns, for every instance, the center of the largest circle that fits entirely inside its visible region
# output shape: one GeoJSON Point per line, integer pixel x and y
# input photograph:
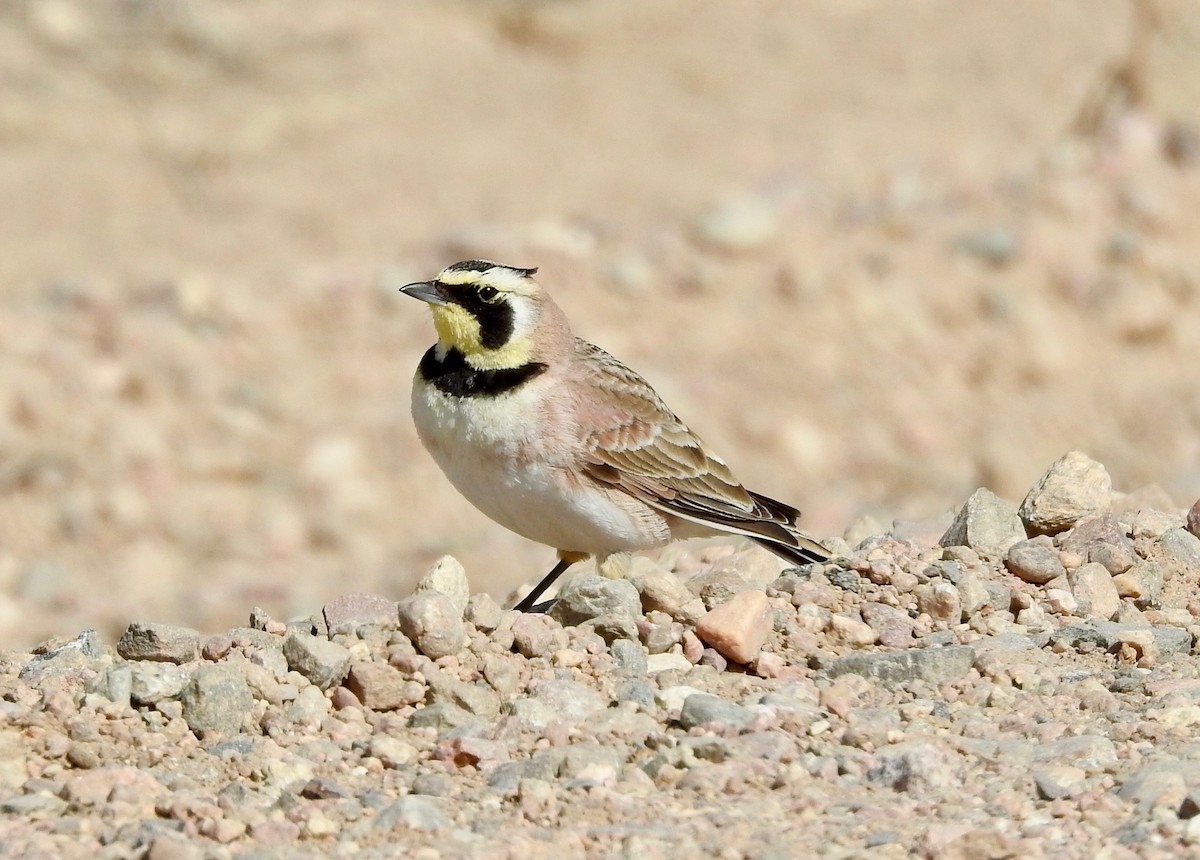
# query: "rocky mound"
{"type": "Point", "coordinates": [1019, 682]}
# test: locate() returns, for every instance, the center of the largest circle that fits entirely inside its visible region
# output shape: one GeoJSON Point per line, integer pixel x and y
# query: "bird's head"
{"type": "Point", "coordinates": [496, 316]}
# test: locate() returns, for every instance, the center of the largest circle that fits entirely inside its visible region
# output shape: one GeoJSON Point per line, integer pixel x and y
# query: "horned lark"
{"type": "Point", "coordinates": [558, 441]}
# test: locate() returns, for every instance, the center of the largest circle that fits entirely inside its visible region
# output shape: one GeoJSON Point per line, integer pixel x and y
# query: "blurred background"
{"type": "Point", "coordinates": [877, 254]}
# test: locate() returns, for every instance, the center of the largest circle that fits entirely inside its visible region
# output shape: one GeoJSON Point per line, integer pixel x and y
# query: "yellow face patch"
{"type": "Point", "coordinates": [458, 329]}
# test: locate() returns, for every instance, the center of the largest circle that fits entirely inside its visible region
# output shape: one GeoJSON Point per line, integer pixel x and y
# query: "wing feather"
{"type": "Point", "coordinates": [634, 442]}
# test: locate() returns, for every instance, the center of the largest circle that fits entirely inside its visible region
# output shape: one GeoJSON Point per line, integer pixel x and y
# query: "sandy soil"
{"type": "Point", "coordinates": [861, 247]}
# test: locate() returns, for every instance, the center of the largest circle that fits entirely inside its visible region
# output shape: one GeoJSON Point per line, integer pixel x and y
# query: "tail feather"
{"type": "Point", "coordinates": [806, 551]}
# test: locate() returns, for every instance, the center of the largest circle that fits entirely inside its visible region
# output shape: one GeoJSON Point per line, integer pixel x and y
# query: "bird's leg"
{"type": "Point", "coordinates": [565, 560]}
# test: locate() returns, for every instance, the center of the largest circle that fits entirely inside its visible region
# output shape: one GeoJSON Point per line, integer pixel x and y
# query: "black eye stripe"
{"type": "Point", "coordinates": [495, 317]}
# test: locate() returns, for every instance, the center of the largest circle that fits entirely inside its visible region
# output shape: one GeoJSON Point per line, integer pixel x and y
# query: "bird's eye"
{"type": "Point", "coordinates": [489, 294]}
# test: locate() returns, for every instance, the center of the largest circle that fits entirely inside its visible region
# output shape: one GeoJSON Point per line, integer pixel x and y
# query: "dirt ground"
{"type": "Point", "coordinates": [856, 245]}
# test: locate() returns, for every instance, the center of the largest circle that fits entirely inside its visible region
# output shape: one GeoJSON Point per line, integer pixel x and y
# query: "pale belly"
{"type": "Point", "coordinates": [530, 495]}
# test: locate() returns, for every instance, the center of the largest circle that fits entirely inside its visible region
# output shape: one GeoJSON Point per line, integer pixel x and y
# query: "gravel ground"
{"type": "Point", "coordinates": [1018, 682]}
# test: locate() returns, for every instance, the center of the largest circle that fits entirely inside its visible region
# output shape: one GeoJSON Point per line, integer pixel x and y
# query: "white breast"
{"type": "Point", "coordinates": [495, 451]}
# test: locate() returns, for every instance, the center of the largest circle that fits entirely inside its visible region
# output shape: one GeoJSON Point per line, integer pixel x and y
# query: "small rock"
{"type": "Point", "coordinates": [702, 708]}
{"type": "Point", "coordinates": [445, 715]}
{"type": "Point", "coordinates": [941, 602]}
{"type": "Point", "coordinates": [1094, 591]}
{"type": "Point", "coordinates": [916, 767]}
{"type": "Point", "coordinates": [162, 642]}
{"type": "Point", "coordinates": [381, 687]}
{"type": "Point", "coordinates": [996, 246]}
{"type": "Point", "coordinates": [1074, 487]}
{"type": "Point", "coordinates": [661, 590]}
{"type": "Point", "coordinates": [630, 658]}
{"type": "Point", "coordinates": [893, 627]}
{"type": "Point", "coordinates": [1056, 781]}
{"type": "Point", "coordinates": [738, 628]}
{"type": "Point", "coordinates": [1034, 561]}
{"type": "Point", "coordinates": [1152, 524]}
{"type": "Point", "coordinates": [1108, 635]}
{"type": "Point", "coordinates": [1193, 519]}
{"type": "Point", "coordinates": [417, 812]}
{"type": "Point", "coordinates": [217, 699]}
{"type": "Point", "coordinates": [359, 608]}
{"type": "Point", "coordinates": [537, 635]}
{"type": "Point", "coordinates": [985, 523]}
{"type": "Point", "coordinates": [391, 751]}
{"type": "Point", "coordinates": [972, 593]}
{"type": "Point", "coordinates": [590, 597]}
{"type": "Point", "coordinates": [433, 623]}
{"type": "Point", "coordinates": [484, 612]}
{"type": "Point", "coordinates": [934, 665]}
{"type": "Point", "coordinates": [1181, 547]}
{"type": "Point", "coordinates": [1142, 583]}
{"type": "Point", "coordinates": [323, 662]}
{"type": "Point", "coordinates": [1159, 785]}
{"type": "Point", "coordinates": [151, 683]}
{"type": "Point", "coordinates": [1099, 529]}
{"type": "Point", "coordinates": [472, 698]}
{"type": "Point", "coordinates": [738, 226]}
{"type": "Point", "coordinates": [448, 577]}
{"type": "Point", "coordinates": [850, 632]}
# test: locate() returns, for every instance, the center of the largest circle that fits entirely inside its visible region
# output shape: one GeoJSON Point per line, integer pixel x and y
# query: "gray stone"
{"type": "Point", "coordinates": [1107, 635]}
{"type": "Point", "coordinates": [417, 812]}
{"type": "Point", "coordinates": [1034, 561]}
{"type": "Point", "coordinates": [996, 246]}
{"type": "Point", "coordinates": [986, 523]}
{"type": "Point", "coordinates": [433, 623]}
{"type": "Point", "coordinates": [443, 715]}
{"type": "Point", "coordinates": [1084, 751]}
{"type": "Point", "coordinates": [151, 683]}
{"type": "Point", "coordinates": [1160, 784]}
{"type": "Point", "coordinates": [474, 699]}
{"type": "Point", "coordinates": [162, 642]}
{"type": "Point", "coordinates": [916, 767]}
{"type": "Point", "coordinates": [1182, 547]}
{"type": "Point", "coordinates": [630, 658]}
{"type": "Point", "coordinates": [116, 684]}
{"type": "Point", "coordinates": [589, 597]}
{"type": "Point", "coordinates": [555, 700]}
{"type": "Point", "coordinates": [323, 662]}
{"type": "Point", "coordinates": [1074, 487]}
{"type": "Point", "coordinates": [359, 608]}
{"type": "Point", "coordinates": [934, 665]}
{"type": "Point", "coordinates": [701, 708]}
{"type": "Point", "coordinates": [217, 699]}
{"type": "Point", "coordinates": [448, 577]}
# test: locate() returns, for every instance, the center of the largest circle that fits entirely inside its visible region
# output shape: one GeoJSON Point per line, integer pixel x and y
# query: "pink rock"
{"type": "Point", "coordinates": [739, 627]}
{"type": "Point", "coordinates": [1193, 519]}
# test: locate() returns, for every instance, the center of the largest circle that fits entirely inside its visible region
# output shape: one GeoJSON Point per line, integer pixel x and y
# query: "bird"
{"type": "Point", "coordinates": [555, 439]}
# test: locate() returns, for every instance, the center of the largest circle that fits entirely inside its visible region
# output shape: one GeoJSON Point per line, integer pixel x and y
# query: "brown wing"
{"type": "Point", "coordinates": [634, 442]}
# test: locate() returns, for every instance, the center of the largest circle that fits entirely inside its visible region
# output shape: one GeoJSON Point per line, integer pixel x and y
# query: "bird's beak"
{"type": "Point", "coordinates": [426, 291]}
